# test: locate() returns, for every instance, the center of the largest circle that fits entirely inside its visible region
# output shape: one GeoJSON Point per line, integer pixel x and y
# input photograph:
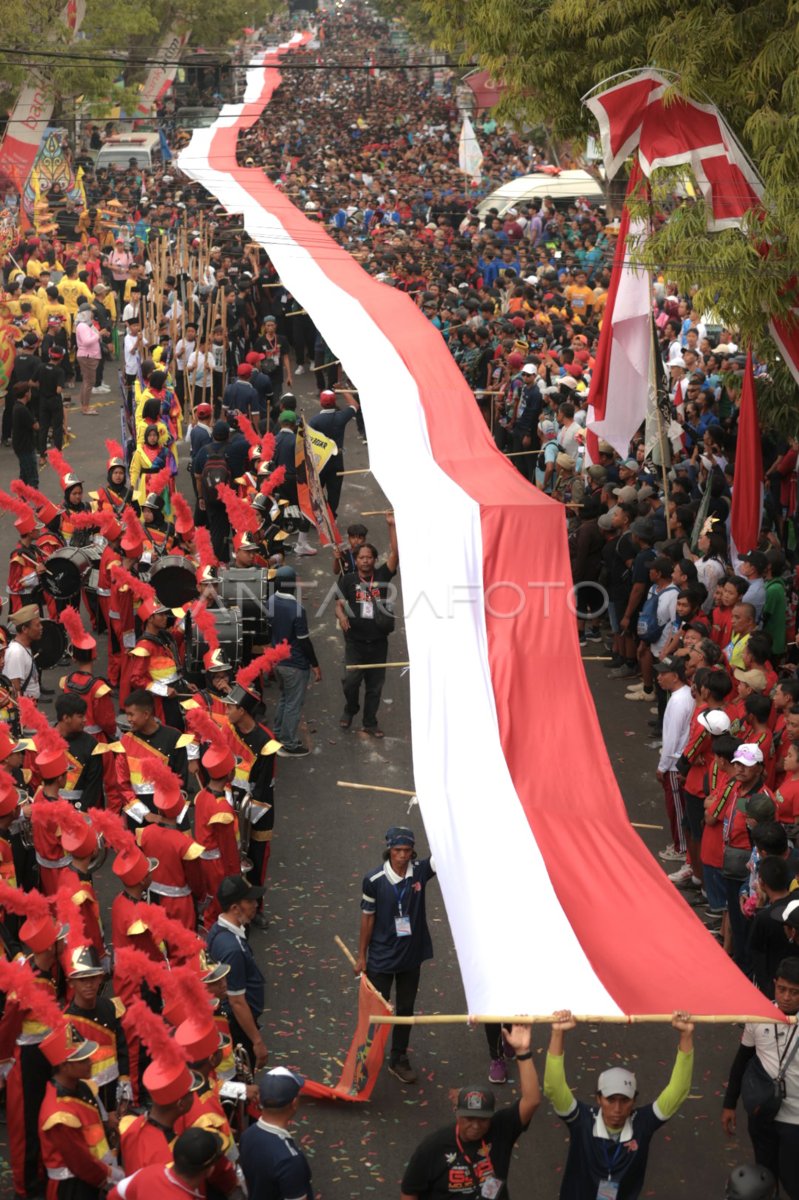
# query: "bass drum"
{"type": "Point", "coordinates": [247, 588]}
{"type": "Point", "coordinates": [228, 624]}
{"type": "Point", "coordinates": [68, 570]}
{"type": "Point", "coordinates": [173, 578]}
{"type": "Point", "coordinates": [52, 646]}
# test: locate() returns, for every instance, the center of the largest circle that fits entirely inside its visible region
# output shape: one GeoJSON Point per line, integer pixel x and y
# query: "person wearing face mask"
{"type": "Point", "coordinates": [610, 1141]}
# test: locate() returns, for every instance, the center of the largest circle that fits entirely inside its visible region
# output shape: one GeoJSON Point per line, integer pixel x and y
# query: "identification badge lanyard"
{"type": "Point", "coordinates": [608, 1189]}
{"type": "Point", "coordinates": [402, 921]}
{"type": "Point", "coordinates": [366, 594]}
{"type": "Point", "coordinates": [490, 1187]}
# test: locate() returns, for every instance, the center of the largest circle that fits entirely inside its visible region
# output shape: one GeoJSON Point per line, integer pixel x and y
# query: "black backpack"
{"type": "Point", "coordinates": [214, 472]}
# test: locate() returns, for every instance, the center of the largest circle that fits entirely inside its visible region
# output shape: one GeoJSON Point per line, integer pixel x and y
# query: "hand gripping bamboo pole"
{"type": "Point", "coordinates": [620, 1019]}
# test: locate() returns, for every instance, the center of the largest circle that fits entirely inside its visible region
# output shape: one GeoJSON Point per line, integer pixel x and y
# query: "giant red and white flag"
{"type": "Point", "coordinates": [31, 114]}
{"type": "Point", "coordinates": [620, 380]}
{"type": "Point", "coordinates": [537, 859]}
{"type": "Point", "coordinates": [635, 119]}
{"type": "Point", "coordinates": [747, 484]}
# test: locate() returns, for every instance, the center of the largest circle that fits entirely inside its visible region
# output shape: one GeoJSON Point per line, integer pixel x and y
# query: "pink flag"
{"type": "Point", "coordinates": [747, 484]}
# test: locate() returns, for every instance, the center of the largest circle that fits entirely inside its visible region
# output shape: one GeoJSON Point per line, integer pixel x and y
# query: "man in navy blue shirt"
{"type": "Point", "coordinates": [394, 939]}
{"type": "Point", "coordinates": [289, 623]}
{"type": "Point", "coordinates": [273, 1165]}
{"type": "Point", "coordinates": [227, 943]}
{"type": "Point", "coordinates": [332, 422]}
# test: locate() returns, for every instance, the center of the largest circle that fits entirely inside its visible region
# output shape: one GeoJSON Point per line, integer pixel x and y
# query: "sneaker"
{"type": "Point", "coordinates": [623, 672]}
{"type": "Point", "coordinates": [292, 751]}
{"type": "Point", "coordinates": [103, 388]}
{"type": "Point", "coordinates": [594, 635]}
{"type": "Point", "coordinates": [403, 1070]}
{"type": "Point", "coordinates": [642, 695]}
{"type": "Point", "coordinates": [672, 854]}
{"type": "Point", "coordinates": [98, 391]}
{"type": "Point", "coordinates": [655, 744]}
{"type": "Point", "coordinates": [304, 550]}
{"type": "Point", "coordinates": [583, 642]}
{"type": "Point", "coordinates": [497, 1072]}
{"type": "Point", "coordinates": [299, 370]}
{"type": "Point", "coordinates": [683, 875]}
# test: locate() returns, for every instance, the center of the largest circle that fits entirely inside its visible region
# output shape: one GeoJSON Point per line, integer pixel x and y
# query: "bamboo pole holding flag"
{"type": "Point", "coordinates": [581, 1019]}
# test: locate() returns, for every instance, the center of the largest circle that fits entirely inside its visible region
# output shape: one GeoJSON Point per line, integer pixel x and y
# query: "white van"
{"type": "Point", "coordinates": [117, 151]}
{"type": "Point", "coordinates": [564, 188]}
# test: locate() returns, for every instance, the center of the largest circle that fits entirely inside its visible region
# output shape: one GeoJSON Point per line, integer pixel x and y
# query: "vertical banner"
{"type": "Point", "coordinates": [31, 114]}
{"type": "Point", "coordinates": [162, 75]}
{"type": "Point", "coordinates": [365, 1055]}
{"type": "Point", "coordinates": [311, 453]}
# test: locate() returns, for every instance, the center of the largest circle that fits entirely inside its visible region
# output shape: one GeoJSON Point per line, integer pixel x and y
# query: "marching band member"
{"type": "Point", "coordinates": [115, 494]}
{"type": "Point", "coordinates": [97, 1019]}
{"type": "Point", "coordinates": [176, 880]}
{"type": "Point", "coordinates": [71, 1126]}
{"type": "Point", "coordinates": [146, 739]}
{"type": "Point", "coordinates": [84, 783]}
{"type": "Point", "coordinates": [215, 824]}
{"type": "Point", "coordinates": [82, 682]}
{"type": "Point", "coordinates": [121, 617]}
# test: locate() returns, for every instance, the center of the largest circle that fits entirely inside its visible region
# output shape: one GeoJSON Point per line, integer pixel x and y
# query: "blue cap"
{"type": "Point", "coordinates": [400, 835]}
{"type": "Point", "coordinates": [285, 575]}
{"type": "Point", "coordinates": [279, 1087]}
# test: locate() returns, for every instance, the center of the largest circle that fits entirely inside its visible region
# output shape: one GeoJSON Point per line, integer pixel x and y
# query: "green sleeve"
{"type": "Point", "coordinates": [676, 1090]}
{"type": "Point", "coordinates": [556, 1088]}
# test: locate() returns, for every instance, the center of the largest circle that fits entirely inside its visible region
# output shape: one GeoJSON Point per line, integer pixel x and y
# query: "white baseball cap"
{"type": "Point", "coordinates": [715, 721]}
{"type": "Point", "coordinates": [617, 1082]}
{"type": "Point", "coordinates": [748, 755]}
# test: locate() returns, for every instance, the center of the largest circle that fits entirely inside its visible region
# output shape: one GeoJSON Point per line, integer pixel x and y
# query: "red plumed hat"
{"type": "Point", "coordinates": [66, 475]}
{"type": "Point", "coordinates": [116, 455]}
{"type": "Point", "coordinates": [167, 1078]}
{"type": "Point", "coordinates": [133, 537]}
{"type": "Point", "coordinates": [38, 931]}
{"type": "Point", "coordinates": [24, 517]}
{"type": "Point", "coordinates": [184, 520]}
{"type": "Point", "coordinates": [168, 796]}
{"type": "Point", "coordinates": [80, 638]}
{"type": "Point", "coordinates": [46, 511]}
{"type": "Point", "coordinates": [218, 759]}
{"type": "Point", "coordinates": [149, 604]}
{"type": "Point", "coordinates": [183, 943]}
{"type": "Point", "coordinates": [243, 516]}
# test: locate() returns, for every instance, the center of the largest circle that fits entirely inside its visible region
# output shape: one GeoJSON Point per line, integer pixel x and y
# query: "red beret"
{"type": "Point", "coordinates": [244, 370]}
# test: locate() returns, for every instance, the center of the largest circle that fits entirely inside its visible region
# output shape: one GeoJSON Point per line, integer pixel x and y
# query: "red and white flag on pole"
{"type": "Point", "coordinates": [620, 382]}
{"type": "Point", "coordinates": [747, 484]}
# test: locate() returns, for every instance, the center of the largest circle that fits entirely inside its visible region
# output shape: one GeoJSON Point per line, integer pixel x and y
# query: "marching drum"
{"type": "Point", "coordinates": [293, 520]}
{"type": "Point", "coordinates": [52, 645]}
{"type": "Point", "coordinates": [173, 578]}
{"type": "Point", "coordinates": [94, 553]}
{"type": "Point", "coordinates": [228, 624]}
{"type": "Point", "coordinates": [247, 588]}
{"type": "Point", "coordinates": [68, 569]}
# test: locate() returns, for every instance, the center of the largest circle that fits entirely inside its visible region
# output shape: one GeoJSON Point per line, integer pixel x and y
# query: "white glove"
{"type": "Point", "coordinates": [124, 1092]}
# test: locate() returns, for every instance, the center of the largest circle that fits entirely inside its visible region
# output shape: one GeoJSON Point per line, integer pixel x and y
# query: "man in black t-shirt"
{"type": "Point", "coordinates": [366, 620]}
{"type": "Point", "coordinates": [51, 404]}
{"type": "Point", "coordinates": [471, 1158]}
{"type": "Point", "coordinates": [23, 434]}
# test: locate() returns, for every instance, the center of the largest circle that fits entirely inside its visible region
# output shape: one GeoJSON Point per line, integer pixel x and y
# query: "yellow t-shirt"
{"type": "Point", "coordinates": [73, 291]}
{"type": "Point", "coordinates": [53, 308]}
{"type": "Point", "coordinates": [580, 298]}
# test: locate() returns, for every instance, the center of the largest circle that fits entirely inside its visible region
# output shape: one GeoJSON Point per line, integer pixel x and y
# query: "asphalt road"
{"type": "Point", "coordinates": [327, 837]}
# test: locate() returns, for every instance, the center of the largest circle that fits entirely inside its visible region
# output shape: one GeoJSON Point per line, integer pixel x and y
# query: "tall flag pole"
{"type": "Point", "coordinates": [747, 484]}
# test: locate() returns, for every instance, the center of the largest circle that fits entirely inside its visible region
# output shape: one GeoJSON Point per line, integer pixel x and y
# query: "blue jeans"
{"type": "Point", "coordinates": [293, 682]}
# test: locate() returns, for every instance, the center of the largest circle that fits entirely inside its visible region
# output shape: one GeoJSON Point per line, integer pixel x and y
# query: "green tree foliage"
{"type": "Point", "coordinates": [130, 31]}
{"type": "Point", "coordinates": [741, 55]}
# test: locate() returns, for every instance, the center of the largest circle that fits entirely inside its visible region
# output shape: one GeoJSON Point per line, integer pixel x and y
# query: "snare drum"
{"type": "Point", "coordinates": [247, 588]}
{"type": "Point", "coordinates": [174, 580]}
{"type": "Point", "coordinates": [67, 571]}
{"type": "Point", "coordinates": [94, 554]}
{"type": "Point", "coordinates": [228, 624]}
